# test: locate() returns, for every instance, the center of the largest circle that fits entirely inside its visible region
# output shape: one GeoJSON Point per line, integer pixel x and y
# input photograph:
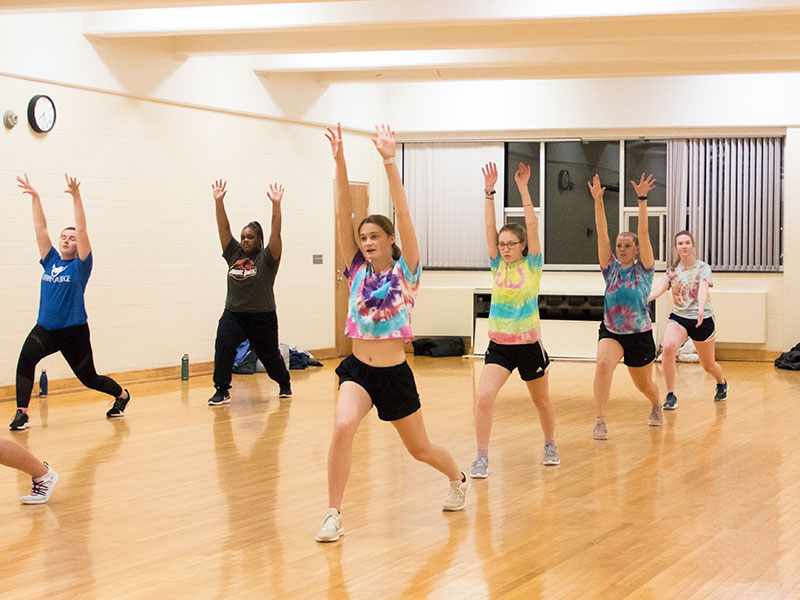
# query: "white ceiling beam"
{"type": "Point", "coordinates": [375, 13]}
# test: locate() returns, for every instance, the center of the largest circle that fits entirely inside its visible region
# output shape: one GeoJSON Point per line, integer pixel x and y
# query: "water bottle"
{"type": "Point", "coordinates": [43, 383]}
{"type": "Point", "coordinates": [185, 367]}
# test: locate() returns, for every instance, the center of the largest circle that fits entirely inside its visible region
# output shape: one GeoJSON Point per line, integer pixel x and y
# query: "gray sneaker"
{"type": "Point", "coordinates": [480, 468]}
{"type": "Point", "coordinates": [551, 455]}
{"type": "Point", "coordinates": [656, 417]}
{"type": "Point", "coordinates": [600, 432]}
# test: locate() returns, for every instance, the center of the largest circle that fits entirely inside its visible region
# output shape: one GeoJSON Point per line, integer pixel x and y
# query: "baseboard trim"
{"type": "Point", "coordinates": [72, 384]}
{"type": "Point", "coordinates": [745, 354]}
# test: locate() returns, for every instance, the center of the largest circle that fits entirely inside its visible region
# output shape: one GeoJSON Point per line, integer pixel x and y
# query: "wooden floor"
{"type": "Point", "coordinates": [178, 500]}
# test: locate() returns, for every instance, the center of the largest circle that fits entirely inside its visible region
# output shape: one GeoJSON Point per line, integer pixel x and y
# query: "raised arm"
{"type": "Point", "coordinates": [385, 144]}
{"type": "Point", "coordinates": [489, 181]}
{"type": "Point", "coordinates": [39, 220]}
{"type": "Point", "coordinates": [223, 225]}
{"type": "Point", "coordinates": [522, 176]}
{"type": "Point", "coordinates": [645, 247]}
{"type": "Point", "coordinates": [81, 235]}
{"type": "Point", "coordinates": [603, 242]}
{"type": "Point", "coordinates": [275, 244]}
{"type": "Point", "coordinates": [346, 237]}
{"type": "Point", "coordinates": [658, 288]}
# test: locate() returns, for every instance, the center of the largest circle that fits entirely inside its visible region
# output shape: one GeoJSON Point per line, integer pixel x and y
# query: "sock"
{"type": "Point", "coordinates": [483, 453]}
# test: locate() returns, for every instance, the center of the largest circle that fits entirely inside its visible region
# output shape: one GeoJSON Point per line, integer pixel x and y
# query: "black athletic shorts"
{"type": "Point", "coordinates": [391, 389]}
{"type": "Point", "coordinates": [638, 349]}
{"type": "Point", "coordinates": [705, 333]}
{"type": "Point", "coordinates": [531, 359]}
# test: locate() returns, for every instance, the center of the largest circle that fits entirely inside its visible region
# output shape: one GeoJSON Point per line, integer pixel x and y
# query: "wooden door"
{"type": "Point", "coordinates": [359, 192]}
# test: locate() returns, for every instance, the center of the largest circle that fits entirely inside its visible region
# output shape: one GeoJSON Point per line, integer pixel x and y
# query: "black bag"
{"type": "Point", "coordinates": [789, 360]}
{"type": "Point", "coordinates": [444, 346]}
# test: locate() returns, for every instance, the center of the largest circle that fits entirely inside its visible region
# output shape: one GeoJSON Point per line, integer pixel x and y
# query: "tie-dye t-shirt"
{"type": "Point", "coordinates": [514, 314]}
{"type": "Point", "coordinates": [625, 303]}
{"type": "Point", "coordinates": [380, 303]}
{"type": "Point", "coordinates": [685, 283]}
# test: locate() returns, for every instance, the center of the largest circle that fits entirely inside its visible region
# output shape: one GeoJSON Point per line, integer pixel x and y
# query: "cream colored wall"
{"type": "Point", "coordinates": [158, 284]}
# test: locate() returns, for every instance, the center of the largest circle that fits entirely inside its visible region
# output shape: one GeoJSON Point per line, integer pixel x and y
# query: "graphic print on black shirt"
{"type": "Point", "coordinates": [243, 269]}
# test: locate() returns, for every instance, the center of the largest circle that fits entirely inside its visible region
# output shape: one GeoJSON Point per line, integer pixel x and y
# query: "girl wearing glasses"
{"type": "Point", "coordinates": [514, 343]}
{"type": "Point", "coordinates": [626, 331]}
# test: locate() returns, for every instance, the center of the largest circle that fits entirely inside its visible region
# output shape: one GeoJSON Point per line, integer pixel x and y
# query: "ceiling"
{"type": "Point", "coordinates": [429, 40]}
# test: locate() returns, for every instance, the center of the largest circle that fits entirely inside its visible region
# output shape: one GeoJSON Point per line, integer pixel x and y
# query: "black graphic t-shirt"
{"type": "Point", "coordinates": [250, 280]}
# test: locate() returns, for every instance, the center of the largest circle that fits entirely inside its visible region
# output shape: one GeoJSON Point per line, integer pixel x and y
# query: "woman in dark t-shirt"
{"type": "Point", "coordinates": [250, 303]}
{"type": "Point", "coordinates": [62, 323]}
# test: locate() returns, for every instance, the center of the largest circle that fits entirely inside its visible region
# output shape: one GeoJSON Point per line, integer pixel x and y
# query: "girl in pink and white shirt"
{"type": "Point", "coordinates": [692, 316]}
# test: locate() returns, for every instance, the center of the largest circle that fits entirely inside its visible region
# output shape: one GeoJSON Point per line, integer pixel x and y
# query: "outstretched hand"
{"type": "Point", "coordinates": [523, 175]}
{"type": "Point", "coordinates": [644, 185]}
{"type": "Point", "coordinates": [335, 138]}
{"type": "Point", "coordinates": [73, 186]}
{"type": "Point", "coordinates": [26, 186]}
{"type": "Point", "coordinates": [384, 141]}
{"type": "Point", "coordinates": [218, 190]}
{"type": "Point", "coordinates": [275, 193]}
{"type": "Point", "coordinates": [595, 188]}
{"type": "Point", "coordinates": [489, 176]}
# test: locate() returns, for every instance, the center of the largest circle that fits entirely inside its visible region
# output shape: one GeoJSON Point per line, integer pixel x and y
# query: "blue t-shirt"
{"type": "Point", "coordinates": [626, 308]}
{"type": "Point", "coordinates": [61, 297]}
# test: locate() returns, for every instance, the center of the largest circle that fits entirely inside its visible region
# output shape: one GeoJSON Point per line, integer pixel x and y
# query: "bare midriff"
{"type": "Point", "coordinates": [380, 353]}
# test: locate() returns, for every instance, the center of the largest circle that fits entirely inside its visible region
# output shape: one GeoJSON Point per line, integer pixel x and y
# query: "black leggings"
{"type": "Point", "coordinates": [74, 344]}
{"type": "Point", "coordinates": [261, 329]}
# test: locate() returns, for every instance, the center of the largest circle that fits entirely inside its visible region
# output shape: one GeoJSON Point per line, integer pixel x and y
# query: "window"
{"type": "Point", "coordinates": [728, 194]}
{"type": "Point", "coordinates": [444, 186]}
{"type": "Point", "coordinates": [570, 237]}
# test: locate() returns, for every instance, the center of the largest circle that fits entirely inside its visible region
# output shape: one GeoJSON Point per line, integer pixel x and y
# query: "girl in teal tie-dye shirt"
{"type": "Point", "coordinates": [516, 259]}
{"type": "Point", "coordinates": [626, 330]}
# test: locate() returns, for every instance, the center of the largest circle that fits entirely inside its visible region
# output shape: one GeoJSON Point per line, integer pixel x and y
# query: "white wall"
{"type": "Point", "coordinates": [158, 284]}
{"type": "Point", "coordinates": [755, 100]}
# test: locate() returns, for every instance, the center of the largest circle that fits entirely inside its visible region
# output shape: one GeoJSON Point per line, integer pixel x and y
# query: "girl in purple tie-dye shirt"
{"type": "Point", "coordinates": [383, 283]}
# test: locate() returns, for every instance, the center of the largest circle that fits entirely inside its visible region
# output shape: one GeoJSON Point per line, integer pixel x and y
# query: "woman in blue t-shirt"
{"type": "Point", "coordinates": [626, 331]}
{"type": "Point", "coordinates": [62, 323]}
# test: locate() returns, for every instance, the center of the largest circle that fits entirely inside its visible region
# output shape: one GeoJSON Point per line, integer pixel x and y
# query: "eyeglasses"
{"type": "Point", "coordinates": [509, 245]}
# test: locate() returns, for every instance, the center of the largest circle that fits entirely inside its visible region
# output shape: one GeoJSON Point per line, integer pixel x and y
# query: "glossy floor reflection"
{"type": "Point", "coordinates": [181, 500]}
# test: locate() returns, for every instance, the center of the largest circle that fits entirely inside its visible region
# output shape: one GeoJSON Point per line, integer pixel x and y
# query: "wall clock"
{"type": "Point", "coordinates": [41, 113]}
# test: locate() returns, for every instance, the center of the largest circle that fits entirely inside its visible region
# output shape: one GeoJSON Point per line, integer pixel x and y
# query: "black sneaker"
{"type": "Point", "coordinates": [286, 392]}
{"type": "Point", "coordinates": [671, 403]}
{"type": "Point", "coordinates": [20, 421]}
{"type": "Point", "coordinates": [722, 392]}
{"type": "Point", "coordinates": [118, 409]}
{"type": "Point", "coordinates": [219, 398]}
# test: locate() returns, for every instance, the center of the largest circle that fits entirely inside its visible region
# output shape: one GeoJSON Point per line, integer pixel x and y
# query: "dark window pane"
{"type": "Point", "coordinates": [646, 156]}
{"type": "Point", "coordinates": [652, 229]}
{"type": "Point", "coordinates": [527, 153]}
{"type": "Point", "coordinates": [569, 230]}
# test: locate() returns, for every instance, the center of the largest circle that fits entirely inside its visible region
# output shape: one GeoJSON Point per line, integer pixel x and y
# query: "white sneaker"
{"type": "Point", "coordinates": [457, 495]}
{"type": "Point", "coordinates": [331, 527]}
{"type": "Point", "coordinates": [41, 490]}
